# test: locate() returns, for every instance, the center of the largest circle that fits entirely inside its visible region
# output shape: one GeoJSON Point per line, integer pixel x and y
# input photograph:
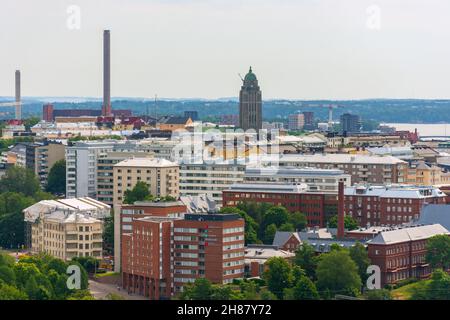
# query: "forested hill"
{"type": "Point", "coordinates": [381, 110]}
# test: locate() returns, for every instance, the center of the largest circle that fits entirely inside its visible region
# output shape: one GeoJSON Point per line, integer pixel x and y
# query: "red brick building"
{"type": "Point", "coordinates": [388, 205]}
{"type": "Point", "coordinates": [400, 253]}
{"type": "Point", "coordinates": [160, 254]}
{"type": "Point", "coordinates": [317, 206]}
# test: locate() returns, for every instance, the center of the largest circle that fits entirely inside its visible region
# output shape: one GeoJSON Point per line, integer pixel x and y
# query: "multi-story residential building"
{"type": "Point", "coordinates": [46, 155]}
{"type": "Point", "coordinates": [400, 253]}
{"type": "Point", "coordinates": [388, 205]}
{"type": "Point", "coordinates": [162, 254]}
{"type": "Point", "coordinates": [161, 176]}
{"type": "Point", "coordinates": [296, 121]}
{"type": "Point", "coordinates": [317, 206]}
{"type": "Point", "coordinates": [105, 172]}
{"type": "Point", "coordinates": [37, 156]}
{"type": "Point", "coordinates": [309, 120]}
{"type": "Point", "coordinates": [66, 228]}
{"type": "Point", "coordinates": [81, 167]}
{"type": "Point", "coordinates": [315, 179]}
{"type": "Point", "coordinates": [362, 168]}
{"type": "Point", "coordinates": [350, 123]}
{"type": "Point", "coordinates": [422, 174]}
{"type": "Point", "coordinates": [210, 179]}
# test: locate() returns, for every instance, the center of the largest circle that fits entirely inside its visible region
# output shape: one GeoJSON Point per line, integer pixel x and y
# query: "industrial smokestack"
{"type": "Point", "coordinates": [106, 109]}
{"type": "Point", "coordinates": [18, 109]}
{"type": "Point", "coordinates": [341, 214]}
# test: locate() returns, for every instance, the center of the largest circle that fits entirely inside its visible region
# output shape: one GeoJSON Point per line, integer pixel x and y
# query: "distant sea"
{"type": "Point", "coordinates": [425, 130]}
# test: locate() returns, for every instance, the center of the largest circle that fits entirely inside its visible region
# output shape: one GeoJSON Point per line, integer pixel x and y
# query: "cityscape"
{"type": "Point", "coordinates": [241, 198]}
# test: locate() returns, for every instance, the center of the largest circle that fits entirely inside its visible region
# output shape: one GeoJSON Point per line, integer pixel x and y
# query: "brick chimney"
{"type": "Point", "coordinates": [341, 215]}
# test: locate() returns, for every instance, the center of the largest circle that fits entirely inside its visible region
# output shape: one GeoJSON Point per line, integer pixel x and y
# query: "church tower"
{"type": "Point", "coordinates": [250, 103]}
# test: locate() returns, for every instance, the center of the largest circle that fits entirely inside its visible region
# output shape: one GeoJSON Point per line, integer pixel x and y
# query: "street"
{"type": "Point", "coordinates": [101, 290]}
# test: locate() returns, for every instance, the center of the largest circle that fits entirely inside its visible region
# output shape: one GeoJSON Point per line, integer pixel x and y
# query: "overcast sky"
{"type": "Point", "coordinates": [305, 49]}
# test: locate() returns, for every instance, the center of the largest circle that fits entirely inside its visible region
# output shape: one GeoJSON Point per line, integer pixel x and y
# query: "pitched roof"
{"type": "Point", "coordinates": [408, 234]}
{"type": "Point", "coordinates": [435, 213]}
{"type": "Point", "coordinates": [174, 120]}
{"type": "Point", "coordinates": [281, 237]}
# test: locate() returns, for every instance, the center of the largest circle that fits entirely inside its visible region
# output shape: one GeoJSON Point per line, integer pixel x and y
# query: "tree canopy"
{"type": "Point", "coordinates": [56, 182]}
{"type": "Point", "coordinates": [438, 252]}
{"type": "Point", "coordinates": [337, 273]}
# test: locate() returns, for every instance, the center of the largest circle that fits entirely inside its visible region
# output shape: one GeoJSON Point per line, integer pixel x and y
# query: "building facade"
{"type": "Point", "coordinates": [317, 206]}
{"type": "Point", "coordinates": [296, 121]}
{"type": "Point", "coordinates": [400, 253]}
{"type": "Point", "coordinates": [162, 254]}
{"type": "Point", "coordinates": [361, 168]}
{"type": "Point", "coordinates": [81, 167]}
{"type": "Point", "coordinates": [316, 179]}
{"type": "Point", "coordinates": [210, 179]}
{"type": "Point", "coordinates": [388, 205]}
{"type": "Point", "coordinates": [161, 176]}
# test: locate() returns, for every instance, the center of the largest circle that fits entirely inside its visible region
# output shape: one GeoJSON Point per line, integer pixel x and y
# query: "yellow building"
{"type": "Point", "coordinates": [66, 228]}
{"type": "Point", "coordinates": [66, 235]}
{"type": "Point", "coordinates": [174, 123]}
{"type": "Point", "coordinates": [424, 175]}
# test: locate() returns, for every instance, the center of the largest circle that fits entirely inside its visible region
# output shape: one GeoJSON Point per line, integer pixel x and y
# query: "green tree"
{"type": "Point", "coordinates": [201, 289]}
{"type": "Point", "coordinates": [349, 223]}
{"type": "Point", "coordinates": [8, 292]}
{"type": "Point", "coordinates": [56, 182]}
{"type": "Point", "coordinates": [250, 225]}
{"type": "Point", "coordinates": [306, 258]}
{"type": "Point", "coordinates": [378, 294]}
{"type": "Point", "coordinates": [298, 220]}
{"type": "Point", "coordinates": [138, 193]}
{"type": "Point", "coordinates": [359, 255]}
{"type": "Point", "coordinates": [437, 288]}
{"type": "Point", "coordinates": [438, 252]}
{"type": "Point", "coordinates": [90, 264]}
{"type": "Point", "coordinates": [20, 180]}
{"type": "Point", "coordinates": [30, 122]}
{"type": "Point", "coordinates": [269, 233]}
{"type": "Point", "coordinates": [12, 224]}
{"type": "Point", "coordinates": [7, 275]}
{"type": "Point", "coordinates": [249, 290]}
{"type": "Point", "coordinates": [108, 234]}
{"type": "Point", "coordinates": [276, 215]}
{"type": "Point", "coordinates": [304, 289]}
{"type": "Point", "coordinates": [289, 227]}
{"type": "Point", "coordinates": [337, 273]}
{"type": "Point", "coordinates": [278, 276]}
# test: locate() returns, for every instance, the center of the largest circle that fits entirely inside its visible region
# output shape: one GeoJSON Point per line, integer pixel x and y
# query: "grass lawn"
{"type": "Point", "coordinates": [405, 292]}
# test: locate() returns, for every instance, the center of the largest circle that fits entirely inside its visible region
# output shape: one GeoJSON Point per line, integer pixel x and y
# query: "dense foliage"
{"type": "Point", "coordinates": [263, 220]}
{"type": "Point", "coordinates": [349, 223]}
{"type": "Point", "coordinates": [19, 189]}
{"type": "Point", "coordinates": [140, 192]}
{"type": "Point", "coordinates": [56, 182]}
{"type": "Point", "coordinates": [38, 278]}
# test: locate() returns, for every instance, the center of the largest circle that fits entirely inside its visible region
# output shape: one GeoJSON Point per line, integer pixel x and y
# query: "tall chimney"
{"type": "Point", "coordinates": [341, 214]}
{"type": "Point", "coordinates": [106, 109]}
{"type": "Point", "coordinates": [18, 110]}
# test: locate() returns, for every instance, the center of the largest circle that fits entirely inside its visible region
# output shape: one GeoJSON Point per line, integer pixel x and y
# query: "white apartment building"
{"type": "Point", "coordinates": [81, 167]}
{"type": "Point", "coordinates": [209, 179]}
{"type": "Point", "coordinates": [315, 179]}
